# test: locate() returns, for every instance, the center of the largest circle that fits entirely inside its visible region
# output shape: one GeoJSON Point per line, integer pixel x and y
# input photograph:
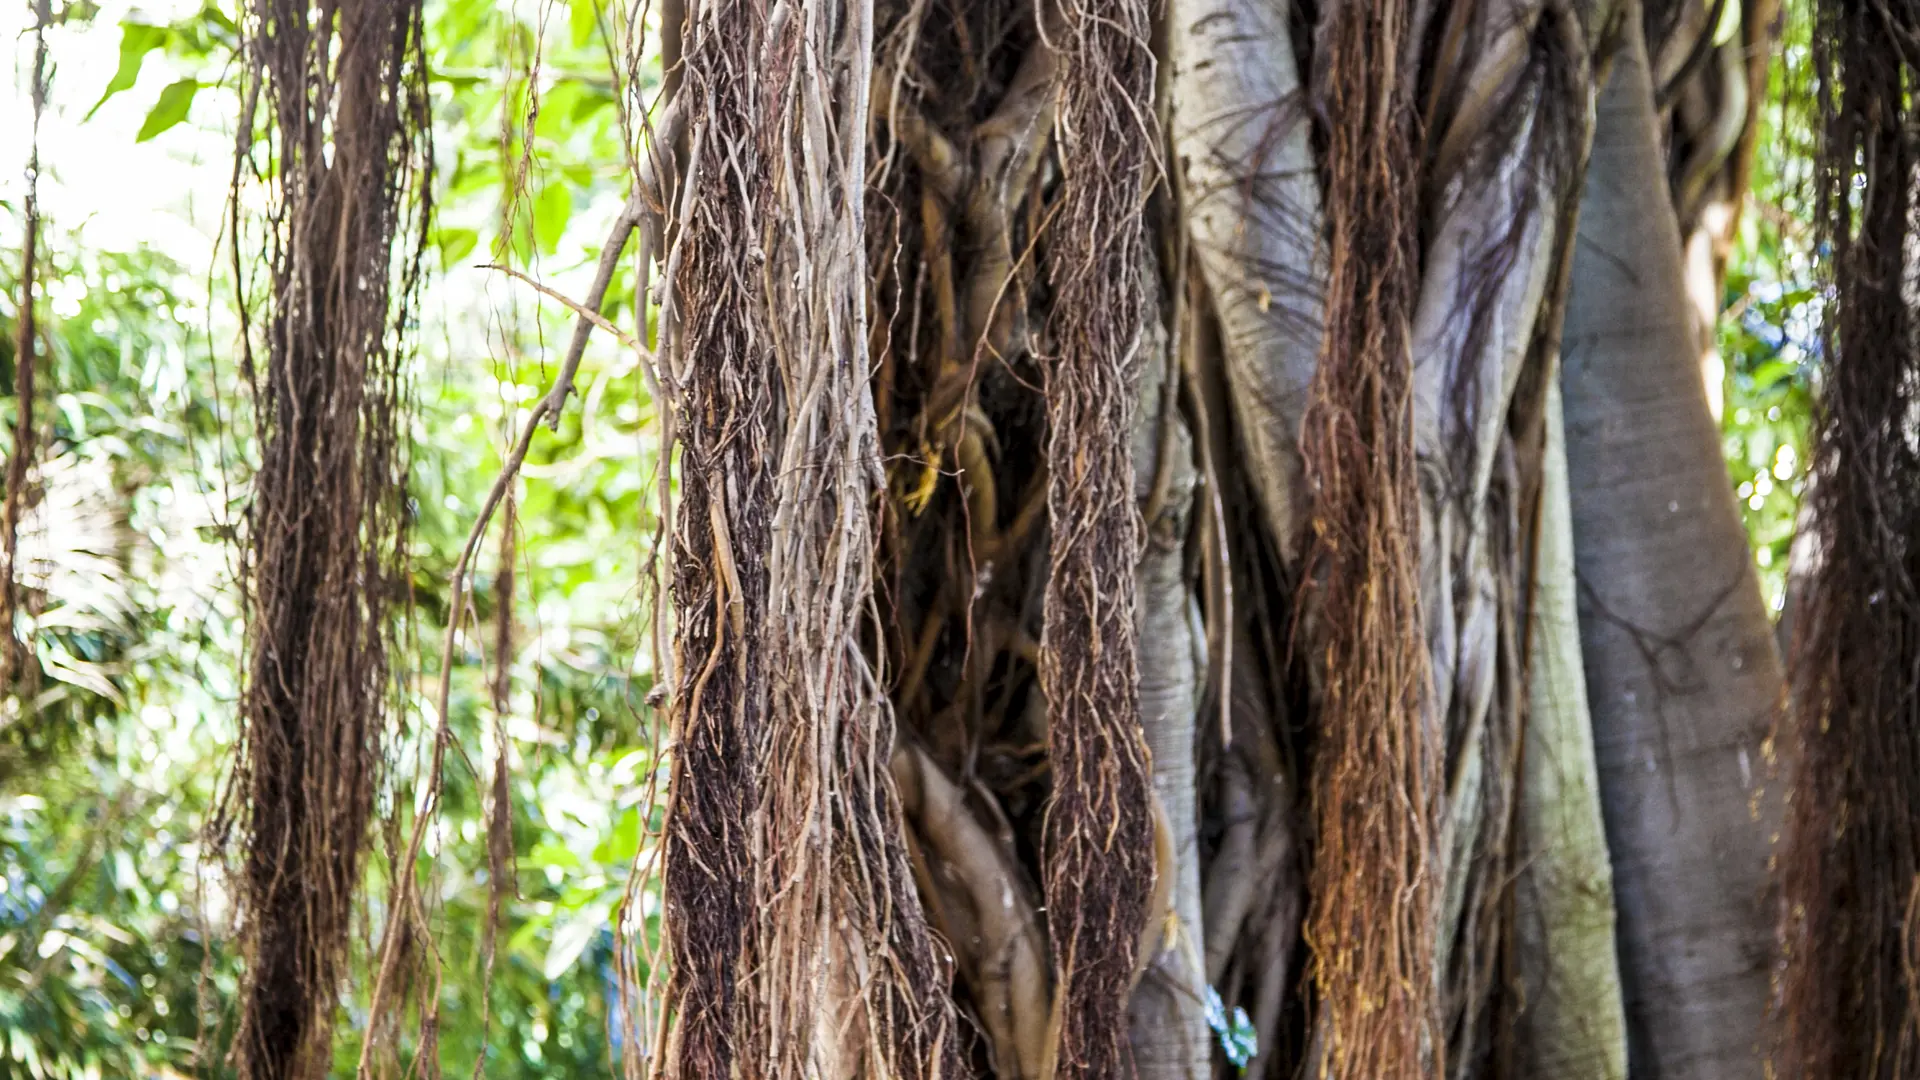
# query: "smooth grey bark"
{"type": "Point", "coordinates": [1250, 203]}
{"type": "Point", "coordinates": [1169, 1026]}
{"type": "Point", "coordinates": [1682, 674]}
{"type": "Point", "coordinates": [1250, 199]}
{"type": "Point", "coordinates": [1463, 384]}
{"type": "Point", "coordinates": [1572, 1025]}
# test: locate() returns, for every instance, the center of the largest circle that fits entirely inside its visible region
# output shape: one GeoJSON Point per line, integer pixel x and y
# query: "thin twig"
{"type": "Point", "coordinates": [587, 314]}
{"type": "Point", "coordinates": [546, 411]}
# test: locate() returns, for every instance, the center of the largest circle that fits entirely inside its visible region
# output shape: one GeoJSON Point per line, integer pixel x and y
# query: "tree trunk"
{"type": "Point", "coordinates": [1708, 90]}
{"type": "Point", "coordinates": [1169, 1024]}
{"type": "Point", "coordinates": [1482, 885]}
{"type": "Point", "coordinates": [1683, 679]}
{"type": "Point", "coordinates": [1573, 1024]}
{"type": "Point", "coordinates": [1250, 201]}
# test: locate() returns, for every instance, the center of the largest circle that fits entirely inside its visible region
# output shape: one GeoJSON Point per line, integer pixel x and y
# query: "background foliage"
{"type": "Point", "coordinates": [1769, 327]}
{"type": "Point", "coordinates": [108, 966]}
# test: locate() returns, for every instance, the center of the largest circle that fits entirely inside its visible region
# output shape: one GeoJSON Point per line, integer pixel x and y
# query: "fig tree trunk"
{"type": "Point", "coordinates": [1682, 674]}
{"type": "Point", "coordinates": [1250, 639]}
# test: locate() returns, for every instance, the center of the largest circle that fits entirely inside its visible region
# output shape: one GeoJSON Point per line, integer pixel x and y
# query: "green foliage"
{"type": "Point", "coordinates": [104, 784]}
{"type": "Point", "coordinates": [1769, 334]}
{"type": "Point", "coordinates": [136, 41]}
{"type": "Point", "coordinates": [115, 930]}
{"type": "Point", "coordinates": [197, 39]}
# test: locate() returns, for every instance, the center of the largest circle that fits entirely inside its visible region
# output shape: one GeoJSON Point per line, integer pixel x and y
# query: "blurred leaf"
{"type": "Point", "coordinates": [1772, 371]}
{"type": "Point", "coordinates": [211, 13]}
{"type": "Point", "coordinates": [550, 213]}
{"type": "Point", "coordinates": [456, 244]}
{"type": "Point", "coordinates": [548, 853]}
{"type": "Point", "coordinates": [136, 41]}
{"type": "Point", "coordinates": [172, 108]}
{"type": "Point", "coordinates": [583, 18]}
{"type": "Point", "coordinates": [592, 100]}
{"type": "Point", "coordinates": [622, 843]}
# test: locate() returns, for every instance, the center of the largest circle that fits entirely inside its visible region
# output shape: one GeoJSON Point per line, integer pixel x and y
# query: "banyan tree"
{"type": "Point", "coordinates": [1199, 542]}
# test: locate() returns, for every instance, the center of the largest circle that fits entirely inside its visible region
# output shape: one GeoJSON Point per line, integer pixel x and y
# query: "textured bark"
{"type": "Point", "coordinates": [1849, 985]}
{"type": "Point", "coordinates": [1472, 193]}
{"type": "Point", "coordinates": [720, 368]}
{"type": "Point", "coordinates": [845, 982]}
{"type": "Point", "coordinates": [1708, 92]}
{"type": "Point", "coordinates": [1683, 678]}
{"type": "Point", "coordinates": [1251, 205]}
{"type": "Point", "coordinates": [1373, 906]}
{"type": "Point", "coordinates": [1572, 1024]}
{"type": "Point", "coordinates": [343, 91]}
{"type": "Point", "coordinates": [1501, 173]}
{"type": "Point", "coordinates": [1099, 834]}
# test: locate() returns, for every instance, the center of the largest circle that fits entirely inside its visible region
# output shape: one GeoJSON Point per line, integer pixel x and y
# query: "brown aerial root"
{"type": "Point", "coordinates": [841, 979]}
{"type": "Point", "coordinates": [718, 370]}
{"type": "Point", "coordinates": [344, 89]}
{"type": "Point", "coordinates": [1099, 848]}
{"type": "Point", "coordinates": [1851, 853]}
{"type": "Point", "coordinates": [1375, 777]}
{"type": "Point", "coordinates": [14, 654]}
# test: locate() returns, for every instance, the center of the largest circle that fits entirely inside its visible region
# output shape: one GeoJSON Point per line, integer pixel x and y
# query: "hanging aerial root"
{"type": "Point", "coordinates": [13, 653]}
{"type": "Point", "coordinates": [844, 983]}
{"type": "Point", "coordinates": [1849, 999]}
{"type": "Point", "coordinates": [719, 370]}
{"type": "Point", "coordinates": [344, 86]}
{"type": "Point", "coordinates": [1375, 780]}
{"type": "Point", "coordinates": [1099, 827]}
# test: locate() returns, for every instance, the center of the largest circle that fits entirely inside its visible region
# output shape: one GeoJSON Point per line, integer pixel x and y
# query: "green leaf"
{"type": "Point", "coordinates": [456, 244]}
{"type": "Point", "coordinates": [550, 213]}
{"type": "Point", "coordinates": [619, 848]}
{"type": "Point", "coordinates": [584, 17]}
{"type": "Point", "coordinates": [470, 177]}
{"type": "Point", "coordinates": [1771, 372]}
{"type": "Point", "coordinates": [520, 238]}
{"type": "Point", "coordinates": [551, 852]}
{"type": "Point", "coordinates": [136, 41]}
{"type": "Point", "coordinates": [172, 108]}
{"type": "Point", "coordinates": [592, 100]}
{"type": "Point", "coordinates": [210, 12]}
{"type": "Point", "coordinates": [556, 110]}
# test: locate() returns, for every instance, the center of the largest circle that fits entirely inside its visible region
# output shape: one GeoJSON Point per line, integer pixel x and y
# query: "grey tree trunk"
{"type": "Point", "coordinates": [1169, 1024]}
{"type": "Point", "coordinates": [1573, 1025]}
{"type": "Point", "coordinates": [1251, 204]}
{"type": "Point", "coordinates": [1682, 674]}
